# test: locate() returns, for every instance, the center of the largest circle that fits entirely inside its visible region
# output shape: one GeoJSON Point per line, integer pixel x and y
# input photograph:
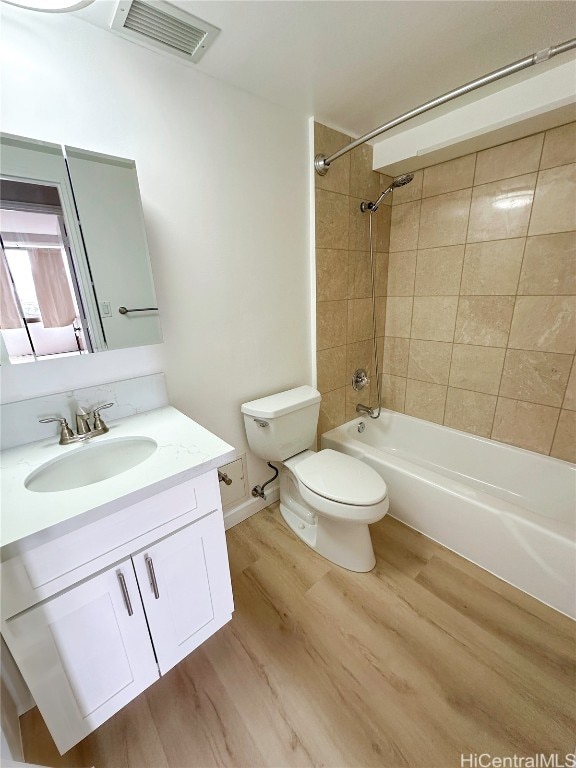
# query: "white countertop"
{"type": "Point", "coordinates": [185, 450]}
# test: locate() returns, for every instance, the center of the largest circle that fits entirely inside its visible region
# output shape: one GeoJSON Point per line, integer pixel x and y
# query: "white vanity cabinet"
{"type": "Point", "coordinates": [83, 656]}
{"type": "Point", "coordinates": [185, 586]}
{"type": "Point", "coordinates": [152, 596]}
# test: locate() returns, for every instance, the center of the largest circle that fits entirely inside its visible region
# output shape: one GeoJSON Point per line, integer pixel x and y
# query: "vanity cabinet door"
{"type": "Point", "coordinates": [185, 585]}
{"type": "Point", "coordinates": [83, 655]}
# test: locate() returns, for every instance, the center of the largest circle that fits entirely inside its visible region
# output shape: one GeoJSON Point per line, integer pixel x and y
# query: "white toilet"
{"type": "Point", "coordinates": [327, 498]}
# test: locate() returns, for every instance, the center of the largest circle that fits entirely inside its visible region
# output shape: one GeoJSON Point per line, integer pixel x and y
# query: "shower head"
{"type": "Point", "coordinates": [399, 181]}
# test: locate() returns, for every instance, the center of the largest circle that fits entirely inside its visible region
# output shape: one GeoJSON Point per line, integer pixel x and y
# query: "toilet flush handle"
{"type": "Point", "coordinates": [261, 423]}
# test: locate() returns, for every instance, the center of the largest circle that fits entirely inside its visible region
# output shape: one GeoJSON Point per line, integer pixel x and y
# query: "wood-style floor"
{"type": "Point", "coordinates": [423, 659]}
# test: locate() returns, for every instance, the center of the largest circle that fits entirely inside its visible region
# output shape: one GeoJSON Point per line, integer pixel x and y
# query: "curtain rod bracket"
{"type": "Point", "coordinates": [320, 165]}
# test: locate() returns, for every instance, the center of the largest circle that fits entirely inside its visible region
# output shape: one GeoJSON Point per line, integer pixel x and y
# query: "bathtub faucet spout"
{"type": "Point", "coordinates": [372, 412]}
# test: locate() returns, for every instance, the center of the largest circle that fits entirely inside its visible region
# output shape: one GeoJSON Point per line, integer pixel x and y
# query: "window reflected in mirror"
{"type": "Point", "coordinates": [41, 310]}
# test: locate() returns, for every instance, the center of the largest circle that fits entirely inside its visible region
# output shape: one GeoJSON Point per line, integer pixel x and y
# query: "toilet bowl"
{"type": "Point", "coordinates": [333, 523]}
{"type": "Point", "coordinates": [327, 498]}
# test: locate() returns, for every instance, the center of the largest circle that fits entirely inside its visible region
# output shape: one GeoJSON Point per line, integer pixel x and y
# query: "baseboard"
{"type": "Point", "coordinates": [243, 511]}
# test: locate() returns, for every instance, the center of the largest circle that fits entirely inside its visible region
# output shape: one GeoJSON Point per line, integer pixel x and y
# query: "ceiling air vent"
{"type": "Point", "coordinates": [162, 25]}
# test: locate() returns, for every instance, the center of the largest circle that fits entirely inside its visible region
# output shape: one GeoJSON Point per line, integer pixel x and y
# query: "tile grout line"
{"type": "Point", "coordinates": [507, 347]}
{"type": "Point", "coordinates": [516, 297]}
{"type": "Point", "coordinates": [482, 242]}
{"type": "Point", "coordinates": [491, 394]}
{"type": "Point", "coordinates": [419, 200]}
{"type": "Point", "coordinates": [459, 289]}
{"type": "Point", "coordinates": [473, 295]}
{"type": "Point", "coordinates": [540, 169]}
{"type": "Point", "coordinates": [572, 370]}
{"type": "Point", "coordinates": [517, 284]}
{"type": "Point", "coordinates": [318, 188]}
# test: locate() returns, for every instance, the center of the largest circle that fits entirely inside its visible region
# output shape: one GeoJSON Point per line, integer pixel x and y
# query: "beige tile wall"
{"type": "Point", "coordinates": [343, 284]}
{"type": "Point", "coordinates": [481, 314]}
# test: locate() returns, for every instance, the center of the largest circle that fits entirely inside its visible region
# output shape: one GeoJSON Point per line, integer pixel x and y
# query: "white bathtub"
{"type": "Point", "coordinates": [511, 511]}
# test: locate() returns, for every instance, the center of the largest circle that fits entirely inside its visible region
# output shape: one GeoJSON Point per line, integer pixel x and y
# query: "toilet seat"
{"type": "Point", "coordinates": [339, 477]}
{"type": "Point", "coordinates": [340, 486]}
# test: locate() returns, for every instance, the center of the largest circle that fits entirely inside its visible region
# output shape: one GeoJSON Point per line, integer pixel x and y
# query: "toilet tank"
{"type": "Point", "coordinates": [280, 426]}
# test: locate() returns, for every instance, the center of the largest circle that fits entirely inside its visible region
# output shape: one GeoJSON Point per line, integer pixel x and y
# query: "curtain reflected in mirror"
{"type": "Point", "coordinates": [41, 313]}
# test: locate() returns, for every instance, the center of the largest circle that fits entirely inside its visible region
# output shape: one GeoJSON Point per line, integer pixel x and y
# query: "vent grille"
{"type": "Point", "coordinates": [164, 29]}
{"type": "Point", "coordinates": [164, 26]}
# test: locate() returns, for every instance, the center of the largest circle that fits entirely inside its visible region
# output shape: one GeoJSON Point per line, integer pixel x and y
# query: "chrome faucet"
{"type": "Point", "coordinates": [82, 425]}
{"type": "Point", "coordinates": [84, 431]}
{"type": "Point", "coordinates": [365, 409]}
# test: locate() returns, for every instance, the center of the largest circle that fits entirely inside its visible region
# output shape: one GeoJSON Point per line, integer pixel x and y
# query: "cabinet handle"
{"type": "Point", "coordinates": [152, 575]}
{"type": "Point", "coordinates": [125, 594]}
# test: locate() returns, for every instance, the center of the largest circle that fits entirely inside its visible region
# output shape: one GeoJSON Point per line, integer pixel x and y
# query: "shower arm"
{"type": "Point", "coordinates": [322, 163]}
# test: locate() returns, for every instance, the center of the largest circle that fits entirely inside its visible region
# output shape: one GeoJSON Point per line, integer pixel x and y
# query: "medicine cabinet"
{"type": "Point", "coordinates": [75, 272]}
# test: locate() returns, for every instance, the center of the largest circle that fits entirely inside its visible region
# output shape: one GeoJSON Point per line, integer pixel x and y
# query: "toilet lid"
{"type": "Point", "coordinates": [341, 478]}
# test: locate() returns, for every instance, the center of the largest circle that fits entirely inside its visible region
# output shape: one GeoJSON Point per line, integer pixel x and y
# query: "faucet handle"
{"type": "Point", "coordinates": [66, 434]}
{"type": "Point", "coordinates": [101, 407]}
{"type": "Point", "coordinates": [99, 424]}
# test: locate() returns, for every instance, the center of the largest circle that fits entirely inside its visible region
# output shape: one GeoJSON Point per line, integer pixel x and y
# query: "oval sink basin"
{"type": "Point", "coordinates": [91, 463]}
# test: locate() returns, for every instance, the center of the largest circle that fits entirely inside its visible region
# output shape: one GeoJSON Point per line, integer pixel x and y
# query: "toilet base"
{"type": "Point", "coordinates": [344, 543]}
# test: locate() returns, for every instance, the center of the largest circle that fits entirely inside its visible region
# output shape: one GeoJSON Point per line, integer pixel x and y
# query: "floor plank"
{"type": "Point", "coordinates": [425, 658]}
{"type": "Point", "coordinates": [543, 637]}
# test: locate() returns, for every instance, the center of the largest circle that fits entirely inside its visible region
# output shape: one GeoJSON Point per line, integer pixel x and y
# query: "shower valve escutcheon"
{"type": "Point", "coordinates": [360, 379]}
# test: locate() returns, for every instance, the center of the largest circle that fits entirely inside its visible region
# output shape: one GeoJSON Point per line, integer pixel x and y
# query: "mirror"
{"type": "Point", "coordinates": [75, 273]}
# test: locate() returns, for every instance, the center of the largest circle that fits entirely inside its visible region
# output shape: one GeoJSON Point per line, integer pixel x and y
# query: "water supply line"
{"type": "Point", "coordinates": [371, 208]}
{"type": "Point", "coordinates": [372, 412]}
{"type": "Point", "coordinates": [323, 163]}
{"type": "Point", "coordinates": [258, 490]}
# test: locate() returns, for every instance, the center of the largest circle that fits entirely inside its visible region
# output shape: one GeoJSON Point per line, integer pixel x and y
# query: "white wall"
{"type": "Point", "coordinates": [224, 182]}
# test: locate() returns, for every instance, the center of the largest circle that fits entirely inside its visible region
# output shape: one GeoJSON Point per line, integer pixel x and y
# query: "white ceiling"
{"type": "Point", "coordinates": [356, 64]}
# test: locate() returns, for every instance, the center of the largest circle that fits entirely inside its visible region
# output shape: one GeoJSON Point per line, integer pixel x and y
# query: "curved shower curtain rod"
{"type": "Point", "coordinates": [322, 163]}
